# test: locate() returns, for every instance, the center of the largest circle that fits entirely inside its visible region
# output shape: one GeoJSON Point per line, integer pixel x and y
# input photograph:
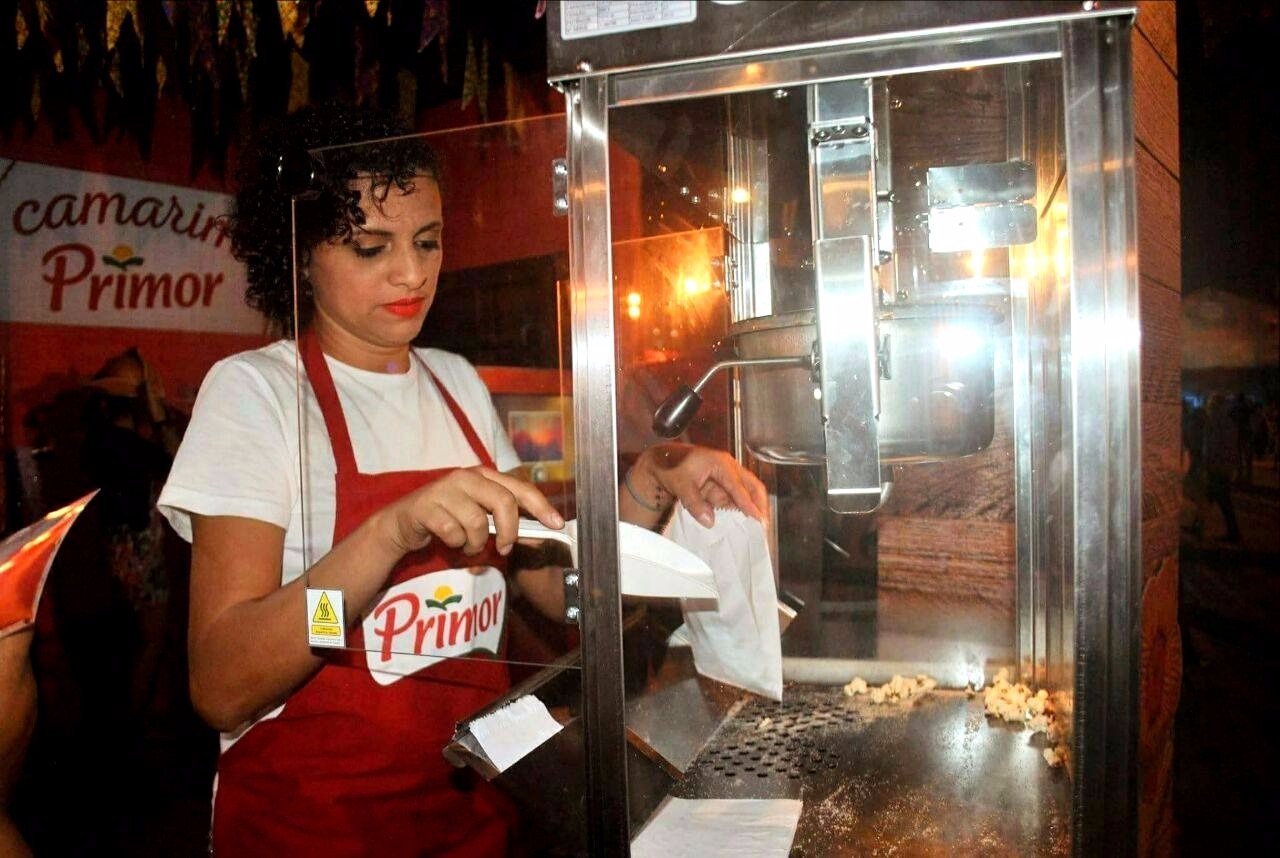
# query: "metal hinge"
{"type": "Point", "coordinates": [572, 595]}
{"type": "Point", "coordinates": [559, 187]}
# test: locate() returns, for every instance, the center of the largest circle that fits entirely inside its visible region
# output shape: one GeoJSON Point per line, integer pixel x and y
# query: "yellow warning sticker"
{"type": "Point", "coordinates": [324, 611]}
{"type": "Point", "coordinates": [325, 623]}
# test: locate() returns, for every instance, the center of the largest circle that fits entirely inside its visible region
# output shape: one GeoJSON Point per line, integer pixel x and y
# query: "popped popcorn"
{"type": "Point", "coordinates": [1017, 704]}
{"type": "Point", "coordinates": [897, 690]}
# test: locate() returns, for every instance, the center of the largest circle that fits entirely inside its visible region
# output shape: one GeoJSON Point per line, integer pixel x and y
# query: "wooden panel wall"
{"type": "Point", "coordinates": [1155, 96]}
{"type": "Point", "coordinates": [947, 529]}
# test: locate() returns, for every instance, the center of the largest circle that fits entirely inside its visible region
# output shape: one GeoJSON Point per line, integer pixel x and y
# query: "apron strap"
{"type": "Point", "coordinates": [468, 431]}
{"type": "Point", "coordinates": [334, 420]}
{"type": "Point", "coordinates": [330, 406]}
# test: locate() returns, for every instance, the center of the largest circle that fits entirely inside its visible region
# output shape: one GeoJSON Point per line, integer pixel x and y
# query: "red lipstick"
{"type": "Point", "coordinates": [405, 308]}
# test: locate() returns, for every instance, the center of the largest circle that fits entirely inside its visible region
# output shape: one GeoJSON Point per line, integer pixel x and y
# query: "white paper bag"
{"type": "Point", "coordinates": [736, 639]}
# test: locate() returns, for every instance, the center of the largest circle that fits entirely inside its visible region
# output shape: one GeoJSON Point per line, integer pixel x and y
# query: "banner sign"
{"type": "Point", "coordinates": [93, 250]}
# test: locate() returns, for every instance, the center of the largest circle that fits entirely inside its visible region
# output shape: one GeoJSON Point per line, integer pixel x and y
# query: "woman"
{"type": "Point", "coordinates": [405, 460]}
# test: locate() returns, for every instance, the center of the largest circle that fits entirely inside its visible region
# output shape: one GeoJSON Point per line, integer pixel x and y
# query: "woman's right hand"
{"type": "Point", "coordinates": [456, 508]}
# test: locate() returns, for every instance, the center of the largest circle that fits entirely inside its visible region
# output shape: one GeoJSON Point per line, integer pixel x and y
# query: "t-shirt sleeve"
{"type": "Point", "coordinates": [235, 456]}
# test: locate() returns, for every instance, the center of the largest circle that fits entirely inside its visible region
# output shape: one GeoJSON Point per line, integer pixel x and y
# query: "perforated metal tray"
{"type": "Point", "coordinates": [932, 777]}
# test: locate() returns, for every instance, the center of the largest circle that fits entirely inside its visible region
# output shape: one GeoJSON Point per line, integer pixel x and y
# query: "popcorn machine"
{"type": "Point", "coordinates": [884, 254]}
{"type": "Point", "coordinates": [915, 317]}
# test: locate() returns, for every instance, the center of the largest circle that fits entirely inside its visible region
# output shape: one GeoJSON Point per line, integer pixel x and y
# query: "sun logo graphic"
{"type": "Point", "coordinates": [122, 256]}
{"type": "Point", "coordinates": [444, 597]}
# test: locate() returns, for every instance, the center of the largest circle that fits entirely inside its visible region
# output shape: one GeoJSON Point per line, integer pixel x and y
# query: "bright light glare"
{"type": "Point", "coordinates": [693, 286]}
{"type": "Point", "coordinates": [959, 341]}
{"type": "Point", "coordinates": [976, 259]}
{"type": "Point", "coordinates": [633, 299]}
{"type": "Point", "coordinates": [740, 195]}
{"type": "Point", "coordinates": [633, 311]}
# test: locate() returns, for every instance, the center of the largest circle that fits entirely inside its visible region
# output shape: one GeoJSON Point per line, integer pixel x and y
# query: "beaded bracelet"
{"type": "Point", "coordinates": [635, 496]}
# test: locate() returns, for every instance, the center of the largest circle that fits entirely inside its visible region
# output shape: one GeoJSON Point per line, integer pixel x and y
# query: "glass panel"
{"type": "Point", "coordinates": [471, 268]}
{"type": "Point", "coordinates": [892, 245]}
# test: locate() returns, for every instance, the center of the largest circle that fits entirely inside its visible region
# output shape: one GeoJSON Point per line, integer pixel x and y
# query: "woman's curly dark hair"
{"type": "Point", "coordinates": [258, 224]}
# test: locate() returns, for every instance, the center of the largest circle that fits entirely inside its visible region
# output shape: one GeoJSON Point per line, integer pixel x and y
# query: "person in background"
{"type": "Point", "coordinates": [1259, 435]}
{"type": "Point", "coordinates": [17, 722]}
{"type": "Point", "coordinates": [106, 652]}
{"type": "Point", "coordinates": [1193, 438]}
{"type": "Point", "coordinates": [1241, 411]}
{"type": "Point", "coordinates": [1220, 459]}
{"type": "Point", "coordinates": [338, 752]}
{"type": "Point", "coordinates": [131, 435]}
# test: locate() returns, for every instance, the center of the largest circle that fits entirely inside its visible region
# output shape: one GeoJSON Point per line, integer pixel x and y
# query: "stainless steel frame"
{"type": "Point", "coordinates": [594, 413]}
{"type": "Point", "coordinates": [1076, 420]}
{"type": "Point", "coordinates": [766, 28]}
{"type": "Point", "coordinates": [1104, 399]}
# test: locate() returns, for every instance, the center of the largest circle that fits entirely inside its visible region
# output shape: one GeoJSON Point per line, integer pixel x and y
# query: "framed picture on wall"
{"type": "Point", "coordinates": [538, 436]}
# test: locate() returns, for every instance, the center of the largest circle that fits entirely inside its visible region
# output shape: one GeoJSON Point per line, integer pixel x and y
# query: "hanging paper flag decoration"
{"type": "Point", "coordinates": [288, 10]}
{"type": "Point", "coordinates": [169, 7]}
{"type": "Point", "coordinates": [469, 73]}
{"type": "Point", "coordinates": [225, 9]}
{"type": "Point", "coordinates": [117, 11]}
{"type": "Point", "coordinates": [45, 14]}
{"type": "Point", "coordinates": [443, 43]}
{"type": "Point", "coordinates": [511, 92]}
{"type": "Point", "coordinates": [82, 44]}
{"type": "Point", "coordinates": [475, 77]}
{"type": "Point", "coordinates": [293, 20]}
{"type": "Point", "coordinates": [370, 7]}
{"type": "Point", "coordinates": [300, 82]}
{"type": "Point", "coordinates": [114, 73]}
{"type": "Point", "coordinates": [300, 26]}
{"type": "Point", "coordinates": [135, 21]}
{"type": "Point", "coordinates": [20, 25]}
{"type": "Point", "coordinates": [435, 20]}
{"type": "Point", "coordinates": [162, 74]}
{"type": "Point", "coordinates": [202, 45]}
{"type": "Point", "coordinates": [243, 72]}
{"type": "Point", "coordinates": [249, 19]}
{"type": "Point", "coordinates": [514, 104]}
{"type": "Point", "coordinates": [540, 10]}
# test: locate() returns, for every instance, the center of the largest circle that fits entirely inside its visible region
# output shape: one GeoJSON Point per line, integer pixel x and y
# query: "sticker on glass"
{"type": "Point", "coordinates": [582, 18]}
{"type": "Point", "coordinates": [325, 619]}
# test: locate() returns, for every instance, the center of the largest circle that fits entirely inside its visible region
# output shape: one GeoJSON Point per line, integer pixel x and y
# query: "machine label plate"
{"type": "Point", "coordinates": [581, 19]}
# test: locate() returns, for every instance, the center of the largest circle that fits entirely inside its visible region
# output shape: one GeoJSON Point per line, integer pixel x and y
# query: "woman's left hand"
{"type": "Point", "coordinates": [700, 478]}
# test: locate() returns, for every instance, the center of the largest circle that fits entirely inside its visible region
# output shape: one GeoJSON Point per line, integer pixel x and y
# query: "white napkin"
{"type": "Point", "coordinates": [735, 639]}
{"type": "Point", "coordinates": [506, 735]}
{"type": "Point", "coordinates": [761, 828]}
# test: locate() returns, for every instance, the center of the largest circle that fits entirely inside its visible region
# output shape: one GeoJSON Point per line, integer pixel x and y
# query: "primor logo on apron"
{"type": "Point", "coordinates": [453, 612]}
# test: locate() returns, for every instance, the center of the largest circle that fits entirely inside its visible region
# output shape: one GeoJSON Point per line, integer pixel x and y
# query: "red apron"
{"type": "Point", "coordinates": [352, 765]}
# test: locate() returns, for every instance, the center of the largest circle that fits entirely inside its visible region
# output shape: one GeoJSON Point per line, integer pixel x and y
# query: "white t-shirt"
{"type": "Point", "coordinates": [241, 454]}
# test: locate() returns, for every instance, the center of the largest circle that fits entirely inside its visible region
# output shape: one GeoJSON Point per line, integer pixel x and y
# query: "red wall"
{"type": "Point", "coordinates": [42, 360]}
{"type": "Point", "coordinates": [497, 198]}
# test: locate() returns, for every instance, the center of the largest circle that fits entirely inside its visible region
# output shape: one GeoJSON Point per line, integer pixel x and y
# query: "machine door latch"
{"type": "Point", "coordinates": [559, 187]}
{"type": "Point", "coordinates": [572, 595]}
